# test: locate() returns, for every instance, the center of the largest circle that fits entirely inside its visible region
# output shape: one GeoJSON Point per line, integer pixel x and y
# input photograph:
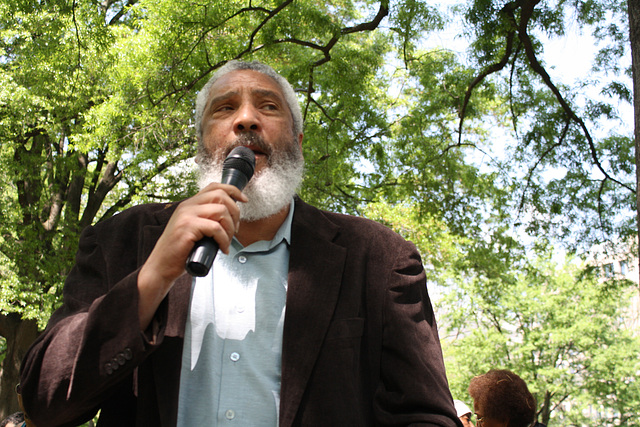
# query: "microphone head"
{"type": "Point", "coordinates": [238, 167]}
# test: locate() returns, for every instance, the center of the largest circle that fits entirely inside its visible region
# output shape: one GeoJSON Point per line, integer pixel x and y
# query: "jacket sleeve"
{"type": "Point", "coordinates": [413, 388]}
{"type": "Point", "coordinates": [92, 343]}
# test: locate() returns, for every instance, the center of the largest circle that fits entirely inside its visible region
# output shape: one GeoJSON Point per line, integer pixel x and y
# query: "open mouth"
{"type": "Point", "coordinates": [258, 150]}
{"type": "Point", "coordinates": [254, 143]}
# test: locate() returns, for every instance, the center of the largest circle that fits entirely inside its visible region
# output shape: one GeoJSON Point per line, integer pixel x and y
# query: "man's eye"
{"type": "Point", "coordinates": [223, 108]}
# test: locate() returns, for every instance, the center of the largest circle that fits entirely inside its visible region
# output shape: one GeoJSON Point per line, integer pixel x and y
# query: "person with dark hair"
{"type": "Point", "coordinates": [307, 317]}
{"type": "Point", "coordinates": [502, 399]}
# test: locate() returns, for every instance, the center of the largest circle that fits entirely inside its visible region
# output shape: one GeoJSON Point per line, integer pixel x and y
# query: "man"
{"type": "Point", "coordinates": [502, 399]}
{"type": "Point", "coordinates": [307, 318]}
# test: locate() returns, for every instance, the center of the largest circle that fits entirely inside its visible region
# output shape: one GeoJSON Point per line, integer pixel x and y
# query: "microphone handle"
{"type": "Point", "coordinates": [204, 251]}
{"type": "Point", "coordinates": [201, 258]}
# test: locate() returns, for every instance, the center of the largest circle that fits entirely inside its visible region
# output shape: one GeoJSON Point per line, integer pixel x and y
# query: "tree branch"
{"type": "Point", "coordinates": [493, 68]}
{"type": "Point", "coordinates": [110, 178]}
{"type": "Point", "coordinates": [250, 48]}
{"type": "Point", "coordinates": [542, 72]}
{"type": "Point", "coordinates": [365, 26]}
{"type": "Point", "coordinates": [548, 151]}
{"type": "Point", "coordinates": [142, 181]}
{"type": "Point", "coordinates": [115, 18]}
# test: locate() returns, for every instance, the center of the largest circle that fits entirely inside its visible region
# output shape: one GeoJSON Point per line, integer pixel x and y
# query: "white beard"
{"type": "Point", "coordinates": [269, 191]}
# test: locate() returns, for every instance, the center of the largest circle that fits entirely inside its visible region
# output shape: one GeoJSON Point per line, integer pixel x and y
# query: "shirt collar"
{"type": "Point", "coordinates": [283, 234]}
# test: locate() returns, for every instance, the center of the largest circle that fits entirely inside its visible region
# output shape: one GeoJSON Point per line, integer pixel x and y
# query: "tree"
{"type": "Point", "coordinates": [97, 100]}
{"type": "Point", "coordinates": [592, 201]}
{"type": "Point", "coordinates": [634, 38]}
{"type": "Point", "coordinates": [571, 181]}
{"type": "Point", "coordinates": [561, 328]}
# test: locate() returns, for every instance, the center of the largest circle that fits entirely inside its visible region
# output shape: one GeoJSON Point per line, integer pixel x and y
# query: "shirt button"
{"type": "Point", "coordinates": [242, 259]}
{"type": "Point", "coordinates": [234, 357]}
{"type": "Point", "coordinates": [230, 414]}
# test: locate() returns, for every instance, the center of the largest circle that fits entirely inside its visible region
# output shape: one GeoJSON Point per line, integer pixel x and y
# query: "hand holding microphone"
{"type": "Point", "coordinates": [237, 170]}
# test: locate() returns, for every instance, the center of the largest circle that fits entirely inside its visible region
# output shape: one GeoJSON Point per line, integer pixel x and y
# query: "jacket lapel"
{"type": "Point", "coordinates": [315, 270]}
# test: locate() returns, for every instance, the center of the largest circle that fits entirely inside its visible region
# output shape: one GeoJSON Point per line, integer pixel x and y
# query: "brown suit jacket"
{"type": "Point", "coordinates": [360, 345]}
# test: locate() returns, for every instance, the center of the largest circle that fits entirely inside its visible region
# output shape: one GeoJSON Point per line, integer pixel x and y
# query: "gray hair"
{"type": "Point", "coordinates": [235, 65]}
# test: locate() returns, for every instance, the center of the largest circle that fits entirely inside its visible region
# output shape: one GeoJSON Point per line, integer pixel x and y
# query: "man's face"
{"type": "Point", "coordinates": [248, 108]}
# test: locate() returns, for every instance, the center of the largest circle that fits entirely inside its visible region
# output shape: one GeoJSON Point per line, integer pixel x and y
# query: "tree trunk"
{"type": "Point", "coordinates": [19, 334]}
{"type": "Point", "coordinates": [634, 38]}
{"type": "Point", "coordinates": [546, 409]}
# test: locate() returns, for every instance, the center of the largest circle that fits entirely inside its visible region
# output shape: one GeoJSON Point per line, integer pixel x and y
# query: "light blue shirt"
{"type": "Point", "coordinates": [231, 360]}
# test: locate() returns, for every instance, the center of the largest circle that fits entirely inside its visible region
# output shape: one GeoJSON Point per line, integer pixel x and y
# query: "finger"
{"type": "Point", "coordinates": [206, 219]}
{"type": "Point", "coordinates": [232, 191]}
{"type": "Point", "coordinates": [223, 194]}
{"type": "Point", "coordinates": [219, 231]}
{"type": "Point", "coordinates": [221, 225]}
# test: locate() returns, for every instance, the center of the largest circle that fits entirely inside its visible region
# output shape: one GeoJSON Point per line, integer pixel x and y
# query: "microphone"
{"type": "Point", "coordinates": [237, 170]}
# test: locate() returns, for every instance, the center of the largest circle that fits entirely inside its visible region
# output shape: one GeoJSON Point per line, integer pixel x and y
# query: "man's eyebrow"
{"type": "Point", "coordinates": [268, 93]}
{"type": "Point", "coordinates": [222, 97]}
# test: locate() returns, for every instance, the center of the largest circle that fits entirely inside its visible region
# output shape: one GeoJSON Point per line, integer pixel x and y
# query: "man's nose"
{"type": "Point", "coordinates": [247, 119]}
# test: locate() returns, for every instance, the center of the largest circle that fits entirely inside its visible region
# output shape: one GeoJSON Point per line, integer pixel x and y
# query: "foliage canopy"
{"type": "Point", "coordinates": [97, 98]}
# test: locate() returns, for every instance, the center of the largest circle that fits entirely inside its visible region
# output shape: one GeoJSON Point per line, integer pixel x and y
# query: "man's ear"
{"type": "Point", "coordinates": [300, 136]}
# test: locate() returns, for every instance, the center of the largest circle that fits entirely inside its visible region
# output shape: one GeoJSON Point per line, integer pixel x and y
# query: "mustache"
{"type": "Point", "coordinates": [253, 141]}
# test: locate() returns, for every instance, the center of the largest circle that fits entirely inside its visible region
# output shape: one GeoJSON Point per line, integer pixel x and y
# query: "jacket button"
{"type": "Point", "coordinates": [108, 369]}
{"type": "Point", "coordinates": [127, 353]}
{"type": "Point", "coordinates": [120, 359]}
